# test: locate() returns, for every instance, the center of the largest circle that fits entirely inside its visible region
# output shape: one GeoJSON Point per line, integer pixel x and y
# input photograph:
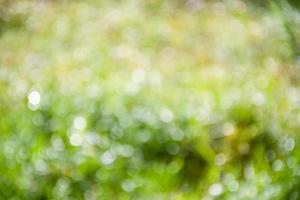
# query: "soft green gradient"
{"type": "Point", "coordinates": [180, 99]}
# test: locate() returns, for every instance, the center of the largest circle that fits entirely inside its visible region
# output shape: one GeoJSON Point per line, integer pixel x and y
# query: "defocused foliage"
{"type": "Point", "coordinates": [133, 99]}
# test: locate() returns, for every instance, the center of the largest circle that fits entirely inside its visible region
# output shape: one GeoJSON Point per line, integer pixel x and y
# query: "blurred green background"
{"type": "Point", "coordinates": [134, 99]}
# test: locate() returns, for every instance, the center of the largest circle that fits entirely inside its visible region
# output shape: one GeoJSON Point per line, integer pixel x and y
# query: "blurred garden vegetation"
{"type": "Point", "coordinates": [133, 99]}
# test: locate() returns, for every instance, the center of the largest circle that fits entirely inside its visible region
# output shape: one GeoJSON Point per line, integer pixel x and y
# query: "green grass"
{"type": "Point", "coordinates": [149, 100]}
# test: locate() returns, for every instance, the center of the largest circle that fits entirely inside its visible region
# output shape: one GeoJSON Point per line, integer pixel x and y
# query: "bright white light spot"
{"type": "Point", "coordinates": [155, 78]}
{"type": "Point", "coordinates": [93, 90]}
{"type": "Point", "coordinates": [166, 115]}
{"type": "Point", "coordinates": [108, 158]}
{"type": "Point", "coordinates": [216, 189]}
{"type": "Point", "coordinates": [277, 165]}
{"type": "Point", "coordinates": [34, 99]}
{"type": "Point", "coordinates": [41, 166]}
{"type": "Point", "coordinates": [133, 88]}
{"type": "Point", "coordinates": [79, 123]}
{"type": "Point", "coordinates": [228, 129]}
{"type": "Point", "coordinates": [138, 75]}
{"type": "Point", "coordinates": [75, 139]}
{"type": "Point", "coordinates": [220, 159]}
{"type": "Point", "coordinates": [258, 98]}
{"type": "Point", "coordinates": [289, 144]}
{"type": "Point", "coordinates": [249, 171]}
{"type": "Point", "coordinates": [128, 185]}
